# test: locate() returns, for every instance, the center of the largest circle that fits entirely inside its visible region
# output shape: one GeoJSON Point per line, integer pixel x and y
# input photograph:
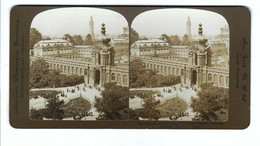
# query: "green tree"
{"type": "Point", "coordinates": [35, 114]}
{"type": "Point", "coordinates": [185, 40]}
{"type": "Point", "coordinates": [175, 40]}
{"type": "Point", "coordinates": [88, 40]}
{"type": "Point", "coordinates": [69, 38]}
{"type": "Point", "coordinates": [78, 40]}
{"type": "Point", "coordinates": [134, 36]}
{"type": "Point", "coordinates": [53, 110]}
{"type": "Point", "coordinates": [35, 36]}
{"type": "Point", "coordinates": [150, 108]}
{"type": "Point", "coordinates": [166, 38]}
{"type": "Point", "coordinates": [39, 71]}
{"type": "Point", "coordinates": [137, 68]}
{"type": "Point", "coordinates": [210, 99]}
{"type": "Point", "coordinates": [114, 103]}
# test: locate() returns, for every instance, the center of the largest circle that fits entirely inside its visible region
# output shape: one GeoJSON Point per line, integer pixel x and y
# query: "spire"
{"type": "Point", "coordinates": [103, 29]}
{"type": "Point", "coordinates": [200, 31]}
{"type": "Point", "coordinates": [189, 27]}
{"type": "Point", "coordinates": [91, 27]}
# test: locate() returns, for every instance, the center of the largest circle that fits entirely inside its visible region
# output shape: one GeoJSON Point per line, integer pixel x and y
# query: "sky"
{"type": "Point", "coordinates": [172, 21]}
{"type": "Point", "coordinates": [75, 21]}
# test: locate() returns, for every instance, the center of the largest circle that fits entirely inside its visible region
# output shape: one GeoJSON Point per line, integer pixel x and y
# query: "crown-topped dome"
{"type": "Point", "coordinates": [200, 41]}
{"type": "Point", "coordinates": [103, 41]}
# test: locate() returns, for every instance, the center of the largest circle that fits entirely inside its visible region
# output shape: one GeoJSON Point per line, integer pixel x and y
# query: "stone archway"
{"type": "Point", "coordinates": [194, 77]}
{"type": "Point", "coordinates": [97, 77]}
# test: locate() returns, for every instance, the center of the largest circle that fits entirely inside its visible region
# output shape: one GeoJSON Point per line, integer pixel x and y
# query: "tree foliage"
{"type": "Point", "coordinates": [114, 103]}
{"type": "Point", "coordinates": [41, 76]}
{"type": "Point", "coordinates": [185, 40]}
{"type": "Point", "coordinates": [210, 99]}
{"type": "Point", "coordinates": [53, 110]}
{"type": "Point", "coordinates": [77, 40]}
{"type": "Point", "coordinates": [35, 36]}
{"type": "Point", "coordinates": [36, 114]}
{"type": "Point", "coordinates": [141, 77]}
{"type": "Point", "coordinates": [134, 36]}
{"type": "Point", "coordinates": [150, 107]}
{"type": "Point", "coordinates": [88, 40]}
{"type": "Point", "coordinates": [174, 40]}
{"type": "Point", "coordinates": [69, 38]}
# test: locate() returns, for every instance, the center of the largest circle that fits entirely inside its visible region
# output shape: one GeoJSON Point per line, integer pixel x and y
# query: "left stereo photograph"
{"type": "Point", "coordinates": [79, 65]}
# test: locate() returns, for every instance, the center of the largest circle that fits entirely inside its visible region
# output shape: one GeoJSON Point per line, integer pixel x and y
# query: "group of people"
{"type": "Point", "coordinates": [178, 115]}
{"type": "Point", "coordinates": [80, 115]}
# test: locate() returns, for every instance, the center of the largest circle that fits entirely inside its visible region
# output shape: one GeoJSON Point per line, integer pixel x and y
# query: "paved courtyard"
{"type": "Point", "coordinates": [185, 94]}
{"type": "Point", "coordinates": [86, 92]}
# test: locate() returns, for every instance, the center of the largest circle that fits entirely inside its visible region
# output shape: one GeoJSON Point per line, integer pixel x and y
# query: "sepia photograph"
{"type": "Point", "coordinates": [179, 66]}
{"type": "Point", "coordinates": [79, 65]}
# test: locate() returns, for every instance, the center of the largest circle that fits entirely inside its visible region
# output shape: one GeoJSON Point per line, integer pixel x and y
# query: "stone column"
{"type": "Point", "coordinates": [92, 76]}
{"type": "Point", "coordinates": [199, 77]}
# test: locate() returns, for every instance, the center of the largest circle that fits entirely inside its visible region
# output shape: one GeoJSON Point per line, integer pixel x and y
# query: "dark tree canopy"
{"type": "Point", "coordinates": [210, 99]}
{"type": "Point", "coordinates": [166, 38]}
{"type": "Point", "coordinates": [114, 103]}
{"type": "Point", "coordinates": [175, 40]}
{"type": "Point", "coordinates": [77, 40]}
{"type": "Point", "coordinates": [185, 40]}
{"type": "Point", "coordinates": [134, 36]}
{"type": "Point", "coordinates": [39, 71]}
{"type": "Point", "coordinates": [35, 36]}
{"type": "Point", "coordinates": [42, 76]}
{"type": "Point", "coordinates": [88, 40]}
{"type": "Point", "coordinates": [36, 114]}
{"type": "Point", "coordinates": [141, 77]}
{"type": "Point", "coordinates": [150, 108]}
{"type": "Point", "coordinates": [69, 38]}
{"type": "Point", "coordinates": [53, 109]}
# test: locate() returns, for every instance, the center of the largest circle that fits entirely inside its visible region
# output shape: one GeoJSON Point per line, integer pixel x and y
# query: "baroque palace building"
{"type": "Point", "coordinates": [191, 63]}
{"type": "Point", "coordinates": [96, 63]}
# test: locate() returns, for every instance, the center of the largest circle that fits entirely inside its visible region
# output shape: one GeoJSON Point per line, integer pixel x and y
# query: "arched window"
{"type": "Point", "coordinates": [77, 70]}
{"type": "Point", "coordinates": [113, 78]}
{"type": "Point", "coordinates": [81, 71]}
{"type": "Point", "coordinates": [221, 80]}
{"type": "Point", "coordinates": [215, 79]}
{"type": "Point", "coordinates": [125, 80]}
{"type": "Point", "coordinates": [165, 69]}
{"type": "Point", "coordinates": [227, 81]}
{"type": "Point", "coordinates": [182, 73]}
{"type": "Point", "coordinates": [173, 71]}
{"type": "Point", "coordinates": [178, 71]}
{"type": "Point", "coordinates": [69, 69]}
{"type": "Point", "coordinates": [118, 78]}
{"type": "Point", "coordinates": [72, 70]}
{"type": "Point", "coordinates": [65, 69]}
{"type": "Point", "coordinates": [209, 77]}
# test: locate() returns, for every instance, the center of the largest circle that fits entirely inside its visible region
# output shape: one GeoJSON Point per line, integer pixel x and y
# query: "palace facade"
{"type": "Point", "coordinates": [195, 66]}
{"type": "Point", "coordinates": [96, 63]}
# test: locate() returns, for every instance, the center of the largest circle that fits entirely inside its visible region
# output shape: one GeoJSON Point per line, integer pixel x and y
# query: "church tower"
{"type": "Point", "coordinates": [91, 27]}
{"type": "Point", "coordinates": [189, 28]}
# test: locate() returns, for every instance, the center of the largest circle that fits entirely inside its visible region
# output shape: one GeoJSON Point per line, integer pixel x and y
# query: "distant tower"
{"type": "Point", "coordinates": [91, 27]}
{"type": "Point", "coordinates": [189, 28]}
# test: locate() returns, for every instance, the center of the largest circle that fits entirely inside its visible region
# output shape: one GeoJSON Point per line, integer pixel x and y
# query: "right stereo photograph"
{"type": "Point", "coordinates": [179, 66]}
